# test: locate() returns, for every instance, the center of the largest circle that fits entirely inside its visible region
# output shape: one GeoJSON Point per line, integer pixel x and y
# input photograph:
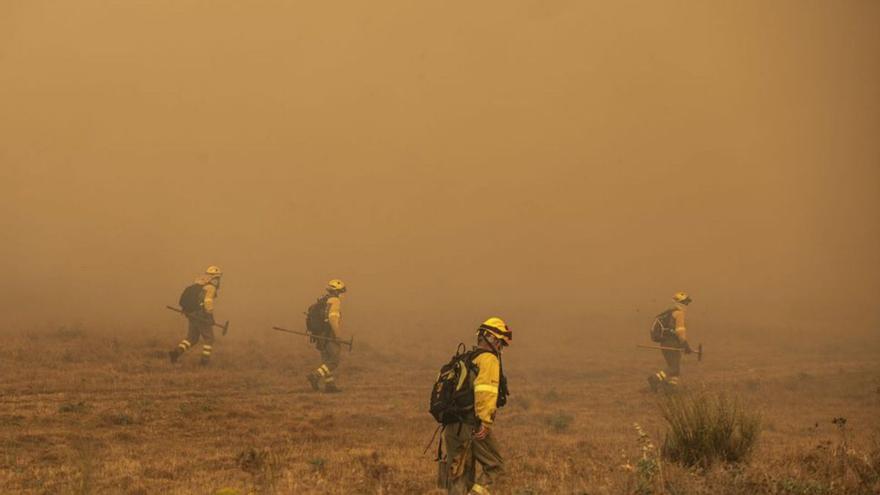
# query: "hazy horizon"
{"type": "Point", "coordinates": [567, 166]}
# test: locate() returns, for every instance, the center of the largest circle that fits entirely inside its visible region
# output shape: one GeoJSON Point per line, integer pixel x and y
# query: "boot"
{"type": "Point", "coordinates": [653, 382]}
{"type": "Point", "coordinates": [331, 388]}
{"type": "Point", "coordinates": [174, 355]}
{"type": "Point", "coordinates": [671, 385]}
{"type": "Point", "coordinates": [313, 381]}
{"type": "Point", "coordinates": [205, 361]}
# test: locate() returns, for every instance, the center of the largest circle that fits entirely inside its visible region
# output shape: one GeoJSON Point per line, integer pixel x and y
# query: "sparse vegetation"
{"type": "Point", "coordinates": [73, 407]}
{"type": "Point", "coordinates": [704, 428]}
{"type": "Point", "coordinates": [263, 465]}
{"type": "Point", "coordinates": [117, 419]}
{"type": "Point", "coordinates": [126, 422]}
{"type": "Point", "coordinates": [649, 467]}
{"type": "Point", "coordinates": [559, 422]}
{"type": "Point", "coordinates": [318, 464]}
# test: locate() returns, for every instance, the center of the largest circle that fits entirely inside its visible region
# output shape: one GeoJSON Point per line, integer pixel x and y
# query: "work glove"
{"type": "Point", "coordinates": [687, 348]}
{"type": "Point", "coordinates": [481, 433]}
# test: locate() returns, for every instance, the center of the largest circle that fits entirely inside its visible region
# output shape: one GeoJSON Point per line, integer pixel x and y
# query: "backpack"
{"type": "Point", "coordinates": [191, 298]}
{"type": "Point", "coordinates": [452, 396]}
{"type": "Point", "coordinates": [662, 325]}
{"type": "Point", "coordinates": [316, 316]}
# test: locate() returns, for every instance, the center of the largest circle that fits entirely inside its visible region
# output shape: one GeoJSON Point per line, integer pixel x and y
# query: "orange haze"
{"type": "Point", "coordinates": [567, 165]}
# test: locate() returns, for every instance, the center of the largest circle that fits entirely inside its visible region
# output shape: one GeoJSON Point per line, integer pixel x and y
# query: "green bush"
{"type": "Point", "coordinates": [704, 428]}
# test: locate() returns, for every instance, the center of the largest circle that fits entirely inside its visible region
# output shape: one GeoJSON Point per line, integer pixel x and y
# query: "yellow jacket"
{"type": "Point", "coordinates": [209, 292]}
{"type": "Point", "coordinates": [486, 386]}
{"type": "Point", "coordinates": [680, 329]}
{"type": "Point", "coordinates": [334, 315]}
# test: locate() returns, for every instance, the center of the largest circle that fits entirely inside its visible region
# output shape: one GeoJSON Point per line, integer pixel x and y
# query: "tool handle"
{"type": "Point", "coordinates": [224, 326]}
{"type": "Point", "coordinates": [349, 343]}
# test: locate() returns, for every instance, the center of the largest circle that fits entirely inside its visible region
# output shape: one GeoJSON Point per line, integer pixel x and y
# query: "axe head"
{"type": "Point", "coordinates": [225, 328]}
{"type": "Point", "coordinates": [700, 352]}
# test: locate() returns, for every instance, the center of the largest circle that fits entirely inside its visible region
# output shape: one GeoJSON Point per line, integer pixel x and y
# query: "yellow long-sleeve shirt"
{"type": "Point", "coordinates": [209, 292]}
{"type": "Point", "coordinates": [486, 385]}
{"type": "Point", "coordinates": [680, 329]}
{"type": "Point", "coordinates": [334, 313]}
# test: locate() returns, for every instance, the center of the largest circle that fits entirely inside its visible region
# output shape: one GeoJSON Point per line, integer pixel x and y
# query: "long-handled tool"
{"type": "Point", "coordinates": [349, 342]}
{"type": "Point", "coordinates": [698, 352]}
{"type": "Point", "coordinates": [224, 326]}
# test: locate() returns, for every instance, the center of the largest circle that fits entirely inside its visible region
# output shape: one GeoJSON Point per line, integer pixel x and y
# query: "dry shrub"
{"type": "Point", "coordinates": [263, 465]}
{"type": "Point", "coordinates": [559, 422]}
{"type": "Point", "coordinates": [117, 419]}
{"type": "Point", "coordinates": [375, 472]}
{"type": "Point", "coordinates": [704, 428]}
{"type": "Point", "coordinates": [844, 465]}
{"type": "Point", "coordinates": [74, 407]}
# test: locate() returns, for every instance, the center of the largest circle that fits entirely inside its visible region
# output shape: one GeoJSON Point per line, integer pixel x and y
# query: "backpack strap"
{"type": "Point", "coordinates": [502, 381]}
{"type": "Point", "coordinates": [439, 429]}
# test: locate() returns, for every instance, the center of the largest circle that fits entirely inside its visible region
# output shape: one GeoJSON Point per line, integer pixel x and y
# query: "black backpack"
{"type": "Point", "coordinates": [662, 325]}
{"type": "Point", "coordinates": [452, 397]}
{"type": "Point", "coordinates": [191, 298]}
{"type": "Point", "coordinates": [316, 316]}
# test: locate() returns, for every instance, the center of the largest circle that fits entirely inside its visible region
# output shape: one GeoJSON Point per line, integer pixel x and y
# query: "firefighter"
{"type": "Point", "coordinates": [672, 333]}
{"type": "Point", "coordinates": [197, 302]}
{"type": "Point", "coordinates": [323, 319]}
{"type": "Point", "coordinates": [472, 440]}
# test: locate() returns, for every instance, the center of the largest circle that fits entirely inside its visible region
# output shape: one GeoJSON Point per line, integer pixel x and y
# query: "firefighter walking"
{"type": "Point", "coordinates": [197, 303]}
{"type": "Point", "coordinates": [670, 331]}
{"type": "Point", "coordinates": [471, 440]}
{"type": "Point", "coordinates": [323, 319]}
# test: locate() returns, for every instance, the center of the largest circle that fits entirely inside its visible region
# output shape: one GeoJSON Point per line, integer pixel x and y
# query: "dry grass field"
{"type": "Point", "coordinates": [86, 412]}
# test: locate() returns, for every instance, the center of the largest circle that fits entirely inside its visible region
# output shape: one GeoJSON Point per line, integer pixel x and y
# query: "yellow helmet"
{"type": "Point", "coordinates": [336, 285]}
{"type": "Point", "coordinates": [497, 328]}
{"type": "Point", "coordinates": [214, 271]}
{"type": "Point", "coordinates": [682, 297]}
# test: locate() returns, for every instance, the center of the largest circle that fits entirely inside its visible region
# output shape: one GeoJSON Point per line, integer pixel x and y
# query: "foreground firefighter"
{"type": "Point", "coordinates": [323, 319]}
{"type": "Point", "coordinates": [468, 392]}
{"type": "Point", "coordinates": [197, 303]}
{"type": "Point", "coordinates": [669, 331]}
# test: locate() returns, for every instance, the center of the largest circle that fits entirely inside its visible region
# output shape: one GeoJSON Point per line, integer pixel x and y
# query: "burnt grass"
{"type": "Point", "coordinates": [84, 413]}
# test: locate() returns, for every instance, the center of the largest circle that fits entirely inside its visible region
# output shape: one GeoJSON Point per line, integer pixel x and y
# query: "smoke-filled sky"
{"type": "Point", "coordinates": [565, 164]}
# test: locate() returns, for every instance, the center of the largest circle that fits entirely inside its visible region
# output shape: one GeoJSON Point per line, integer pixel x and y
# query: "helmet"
{"type": "Point", "coordinates": [682, 297]}
{"type": "Point", "coordinates": [214, 271]}
{"type": "Point", "coordinates": [336, 285]}
{"type": "Point", "coordinates": [497, 328]}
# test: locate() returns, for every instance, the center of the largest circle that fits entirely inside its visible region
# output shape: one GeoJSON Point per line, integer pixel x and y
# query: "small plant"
{"type": "Point", "coordinates": [375, 471]}
{"type": "Point", "coordinates": [118, 419]}
{"type": "Point", "coordinates": [705, 428]}
{"type": "Point", "coordinates": [559, 422]}
{"type": "Point", "coordinates": [198, 406]}
{"type": "Point", "coordinates": [263, 466]}
{"type": "Point", "coordinates": [318, 464]}
{"type": "Point", "coordinates": [73, 407]}
{"type": "Point", "coordinates": [649, 469]}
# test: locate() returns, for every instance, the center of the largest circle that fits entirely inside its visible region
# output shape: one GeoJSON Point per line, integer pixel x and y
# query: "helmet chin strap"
{"type": "Point", "coordinates": [489, 340]}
